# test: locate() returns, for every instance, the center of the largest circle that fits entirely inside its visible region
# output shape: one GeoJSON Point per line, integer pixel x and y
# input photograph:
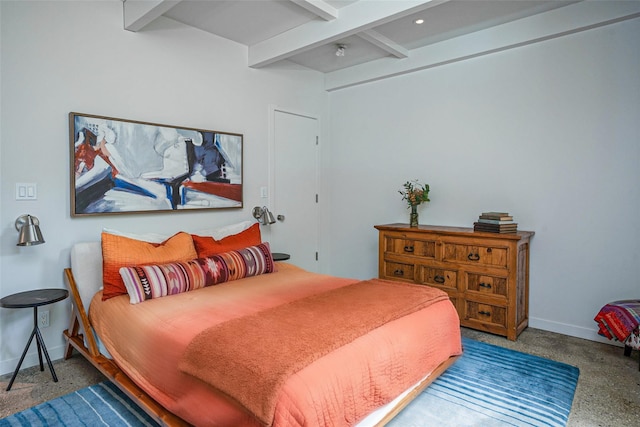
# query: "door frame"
{"type": "Point", "coordinates": [271, 199]}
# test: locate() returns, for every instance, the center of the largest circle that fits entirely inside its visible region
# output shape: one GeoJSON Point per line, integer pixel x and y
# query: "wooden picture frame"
{"type": "Point", "coordinates": [125, 166]}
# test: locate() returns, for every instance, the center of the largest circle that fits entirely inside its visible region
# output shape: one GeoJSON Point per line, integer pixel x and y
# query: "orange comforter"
{"type": "Point", "coordinates": [148, 340]}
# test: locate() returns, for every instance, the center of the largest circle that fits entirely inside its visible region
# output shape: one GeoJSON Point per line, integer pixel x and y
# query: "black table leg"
{"type": "Point", "coordinates": [41, 348]}
{"type": "Point", "coordinates": [46, 355]}
{"type": "Point", "coordinates": [24, 353]}
{"type": "Point", "coordinates": [35, 326]}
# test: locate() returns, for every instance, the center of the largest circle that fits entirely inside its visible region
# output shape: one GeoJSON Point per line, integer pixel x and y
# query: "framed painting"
{"type": "Point", "coordinates": [124, 166]}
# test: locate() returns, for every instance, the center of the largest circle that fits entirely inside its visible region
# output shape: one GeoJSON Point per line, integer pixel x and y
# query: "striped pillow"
{"type": "Point", "coordinates": [154, 281]}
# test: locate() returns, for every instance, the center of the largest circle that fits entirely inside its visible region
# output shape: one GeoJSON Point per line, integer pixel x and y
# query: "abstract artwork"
{"type": "Point", "coordinates": [125, 166]}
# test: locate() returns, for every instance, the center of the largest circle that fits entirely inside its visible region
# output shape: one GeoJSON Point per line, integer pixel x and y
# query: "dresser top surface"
{"type": "Point", "coordinates": [447, 230]}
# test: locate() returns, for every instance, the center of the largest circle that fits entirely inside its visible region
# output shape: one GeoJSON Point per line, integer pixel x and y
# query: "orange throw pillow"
{"type": "Point", "coordinates": [208, 246]}
{"type": "Point", "coordinates": [118, 251]}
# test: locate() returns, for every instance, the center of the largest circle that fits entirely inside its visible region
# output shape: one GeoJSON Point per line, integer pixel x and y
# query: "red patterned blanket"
{"type": "Point", "coordinates": [618, 319]}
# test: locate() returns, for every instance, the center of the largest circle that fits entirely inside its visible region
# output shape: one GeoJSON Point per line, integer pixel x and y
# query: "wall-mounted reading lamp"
{"type": "Point", "coordinates": [29, 230]}
{"type": "Point", "coordinates": [263, 215]}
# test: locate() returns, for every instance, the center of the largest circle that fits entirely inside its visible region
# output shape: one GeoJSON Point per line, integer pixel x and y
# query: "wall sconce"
{"type": "Point", "coordinates": [263, 215]}
{"type": "Point", "coordinates": [29, 230]}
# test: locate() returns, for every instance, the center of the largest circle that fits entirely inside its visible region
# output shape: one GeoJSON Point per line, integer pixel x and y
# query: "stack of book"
{"type": "Point", "coordinates": [495, 222]}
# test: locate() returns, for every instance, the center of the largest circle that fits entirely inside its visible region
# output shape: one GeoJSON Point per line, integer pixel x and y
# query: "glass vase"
{"type": "Point", "coordinates": [413, 218]}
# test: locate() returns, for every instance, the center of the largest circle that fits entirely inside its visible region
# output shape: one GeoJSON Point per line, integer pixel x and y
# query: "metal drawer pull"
{"type": "Point", "coordinates": [485, 313]}
{"type": "Point", "coordinates": [473, 257]}
{"type": "Point", "coordinates": [408, 248]}
{"type": "Point", "coordinates": [438, 279]}
{"type": "Point", "coordinates": [398, 273]}
{"type": "Point", "coordinates": [485, 285]}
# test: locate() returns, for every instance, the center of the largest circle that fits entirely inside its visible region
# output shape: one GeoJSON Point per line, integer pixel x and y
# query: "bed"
{"type": "Point", "coordinates": [167, 354]}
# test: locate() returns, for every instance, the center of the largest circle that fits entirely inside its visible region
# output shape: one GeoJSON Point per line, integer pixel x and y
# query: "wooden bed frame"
{"type": "Point", "coordinates": [80, 331]}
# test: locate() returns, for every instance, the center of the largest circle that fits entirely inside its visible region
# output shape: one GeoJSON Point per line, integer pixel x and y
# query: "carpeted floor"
{"type": "Point", "coordinates": [608, 391]}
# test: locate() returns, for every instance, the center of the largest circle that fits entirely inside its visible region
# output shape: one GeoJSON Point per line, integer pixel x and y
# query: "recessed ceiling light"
{"type": "Point", "coordinates": [419, 21]}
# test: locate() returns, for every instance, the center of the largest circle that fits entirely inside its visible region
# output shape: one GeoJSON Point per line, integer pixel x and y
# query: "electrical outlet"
{"type": "Point", "coordinates": [43, 319]}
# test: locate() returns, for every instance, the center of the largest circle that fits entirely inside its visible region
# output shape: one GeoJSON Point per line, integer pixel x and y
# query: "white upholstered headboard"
{"type": "Point", "coordinates": [86, 265]}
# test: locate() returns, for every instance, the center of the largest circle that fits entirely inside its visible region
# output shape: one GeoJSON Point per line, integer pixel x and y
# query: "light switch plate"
{"type": "Point", "coordinates": [26, 191]}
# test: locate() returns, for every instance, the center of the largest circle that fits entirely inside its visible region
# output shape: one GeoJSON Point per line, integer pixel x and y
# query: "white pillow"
{"type": "Point", "coordinates": [145, 237]}
{"type": "Point", "coordinates": [216, 232]}
{"type": "Point", "coordinates": [228, 230]}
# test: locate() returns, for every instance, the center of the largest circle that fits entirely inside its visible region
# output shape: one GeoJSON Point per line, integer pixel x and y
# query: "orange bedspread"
{"type": "Point", "coordinates": [148, 340]}
{"type": "Point", "coordinates": [280, 341]}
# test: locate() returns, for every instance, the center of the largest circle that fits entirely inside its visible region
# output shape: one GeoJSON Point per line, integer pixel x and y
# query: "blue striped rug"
{"type": "Point", "coordinates": [488, 386]}
{"type": "Point", "coordinates": [99, 405]}
{"type": "Point", "coordinates": [494, 386]}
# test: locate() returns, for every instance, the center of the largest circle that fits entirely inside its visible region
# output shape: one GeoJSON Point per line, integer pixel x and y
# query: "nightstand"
{"type": "Point", "coordinates": [34, 299]}
{"type": "Point", "coordinates": [279, 256]}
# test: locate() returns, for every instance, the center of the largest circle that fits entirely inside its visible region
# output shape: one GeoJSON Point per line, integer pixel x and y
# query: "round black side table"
{"type": "Point", "coordinates": [34, 299]}
{"type": "Point", "coordinates": [279, 256]}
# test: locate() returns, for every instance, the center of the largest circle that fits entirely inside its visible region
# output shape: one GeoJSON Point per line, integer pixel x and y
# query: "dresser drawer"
{"type": "Point", "coordinates": [437, 277]}
{"type": "Point", "coordinates": [486, 285]}
{"type": "Point", "coordinates": [487, 314]}
{"type": "Point", "coordinates": [397, 270]}
{"type": "Point", "coordinates": [409, 245]}
{"type": "Point", "coordinates": [476, 254]}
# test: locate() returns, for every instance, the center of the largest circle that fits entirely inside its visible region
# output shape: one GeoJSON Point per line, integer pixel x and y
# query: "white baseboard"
{"type": "Point", "coordinates": [31, 359]}
{"type": "Point", "coordinates": [590, 334]}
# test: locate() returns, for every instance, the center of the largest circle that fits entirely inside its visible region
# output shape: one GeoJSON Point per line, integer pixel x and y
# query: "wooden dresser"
{"type": "Point", "coordinates": [485, 274]}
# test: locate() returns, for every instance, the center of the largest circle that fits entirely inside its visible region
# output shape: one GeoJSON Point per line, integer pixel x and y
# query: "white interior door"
{"type": "Point", "coordinates": [294, 188]}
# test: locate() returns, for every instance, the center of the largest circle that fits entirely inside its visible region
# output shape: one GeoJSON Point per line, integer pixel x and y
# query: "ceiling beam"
{"type": "Point", "coordinates": [139, 13]}
{"type": "Point", "coordinates": [384, 43]}
{"type": "Point", "coordinates": [354, 18]}
{"type": "Point", "coordinates": [572, 19]}
{"type": "Point", "coordinates": [318, 7]}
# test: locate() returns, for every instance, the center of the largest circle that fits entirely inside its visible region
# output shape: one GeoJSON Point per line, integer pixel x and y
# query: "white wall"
{"type": "Point", "coordinates": [58, 57]}
{"type": "Point", "coordinates": [549, 132]}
